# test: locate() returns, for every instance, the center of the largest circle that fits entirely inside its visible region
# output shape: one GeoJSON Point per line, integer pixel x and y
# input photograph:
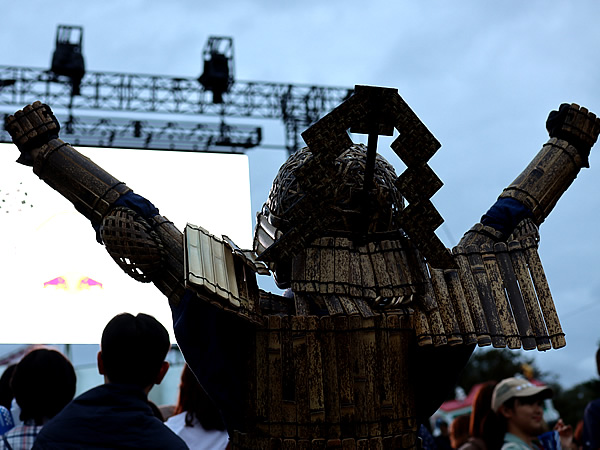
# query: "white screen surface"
{"type": "Point", "coordinates": [57, 284]}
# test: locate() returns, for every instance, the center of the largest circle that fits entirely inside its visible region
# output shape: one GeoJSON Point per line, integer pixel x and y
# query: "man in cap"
{"type": "Point", "coordinates": [520, 406]}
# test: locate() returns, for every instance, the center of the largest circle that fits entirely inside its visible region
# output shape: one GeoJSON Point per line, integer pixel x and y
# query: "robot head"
{"type": "Point", "coordinates": [343, 195]}
{"type": "Point", "coordinates": [330, 207]}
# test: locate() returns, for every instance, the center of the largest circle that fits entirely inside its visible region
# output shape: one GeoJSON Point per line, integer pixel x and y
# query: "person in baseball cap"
{"type": "Point", "coordinates": [519, 405]}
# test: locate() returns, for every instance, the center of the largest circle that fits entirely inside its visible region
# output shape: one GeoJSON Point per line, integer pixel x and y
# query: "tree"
{"type": "Point", "coordinates": [496, 364]}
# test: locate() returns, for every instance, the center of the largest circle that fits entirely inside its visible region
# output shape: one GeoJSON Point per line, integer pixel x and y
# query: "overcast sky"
{"type": "Point", "coordinates": [481, 75]}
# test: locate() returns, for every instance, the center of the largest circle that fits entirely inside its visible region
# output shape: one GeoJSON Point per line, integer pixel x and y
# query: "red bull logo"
{"type": "Point", "coordinates": [81, 284]}
{"type": "Point", "coordinates": [58, 282]}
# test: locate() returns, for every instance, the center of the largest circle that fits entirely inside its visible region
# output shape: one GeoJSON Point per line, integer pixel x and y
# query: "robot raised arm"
{"type": "Point", "coordinates": [146, 245]}
{"type": "Point", "coordinates": [530, 198]}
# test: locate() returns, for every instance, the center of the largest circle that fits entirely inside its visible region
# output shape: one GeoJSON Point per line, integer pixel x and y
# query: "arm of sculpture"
{"type": "Point", "coordinates": [530, 198]}
{"type": "Point", "coordinates": [109, 204]}
{"type": "Point", "coordinates": [143, 243]}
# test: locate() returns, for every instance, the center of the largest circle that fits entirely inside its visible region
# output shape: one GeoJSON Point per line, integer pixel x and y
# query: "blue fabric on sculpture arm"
{"type": "Point", "coordinates": [135, 202]}
{"type": "Point", "coordinates": [139, 204]}
{"type": "Point", "coordinates": [505, 215]}
{"type": "Point", "coordinates": [217, 346]}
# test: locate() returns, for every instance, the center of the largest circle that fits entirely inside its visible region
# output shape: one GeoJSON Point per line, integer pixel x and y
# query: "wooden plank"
{"type": "Point", "coordinates": [219, 268]}
{"type": "Point", "coordinates": [234, 295]}
{"type": "Point", "coordinates": [207, 265]}
{"type": "Point", "coordinates": [193, 257]}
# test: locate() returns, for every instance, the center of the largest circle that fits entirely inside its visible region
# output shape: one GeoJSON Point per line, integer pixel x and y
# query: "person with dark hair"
{"type": "Point", "coordinates": [6, 393]}
{"type": "Point", "coordinates": [117, 414]}
{"type": "Point", "coordinates": [6, 400]}
{"type": "Point", "coordinates": [43, 383]}
{"type": "Point", "coordinates": [481, 431]}
{"type": "Point", "coordinates": [591, 419]}
{"type": "Point", "coordinates": [196, 419]}
{"type": "Point", "coordinates": [459, 430]}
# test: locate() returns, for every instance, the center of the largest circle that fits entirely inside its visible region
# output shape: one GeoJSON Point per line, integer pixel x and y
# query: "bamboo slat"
{"type": "Point", "coordinates": [262, 373]}
{"type": "Point", "coordinates": [334, 306]}
{"type": "Point", "coordinates": [367, 275]}
{"type": "Point", "coordinates": [342, 266]}
{"type": "Point", "coordinates": [507, 321]}
{"type": "Point", "coordinates": [355, 275]}
{"type": "Point", "coordinates": [422, 330]}
{"type": "Point", "coordinates": [472, 297]}
{"type": "Point", "coordinates": [486, 296]}
{"type": "Point", "coordinates": [382, 278]}
{"type": "Point", "coordinates": [529, 298]}
{"type": "Point", "coordinates": [432, 311]}
{"type": "Point", "coordinates": [557, 336]}
{"type": "Point", "coordinates": [514, 296]}
{"type": "Point", "coordinates": [330, 382]}
{"type": "Point", "coordinates": [315, 372]}
{"type": "Point", "coordinates": [446, 309]}
{"type": "Point", "coordinates": [396, 276]}
{"type": "Point", "coordinates": [463, 315]}
{"type": "Point", "coordinates": [275, 377]}
{"type": "Point", "coordinates": [327, 265]}
{"type": "Point", "coordinates": [289, 384]}
{"type": "Point", "coordinates": [348, 305]}
{"type": "Point", "coordinates": [302, 375]}
{"type": "Point", "coordinates": [344, 355]}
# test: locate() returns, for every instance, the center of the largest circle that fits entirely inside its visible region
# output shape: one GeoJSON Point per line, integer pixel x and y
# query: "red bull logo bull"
{"type": "Point", "coordinates": [83, 283]}
{"type": "Point", "coordinates": [58, 282]}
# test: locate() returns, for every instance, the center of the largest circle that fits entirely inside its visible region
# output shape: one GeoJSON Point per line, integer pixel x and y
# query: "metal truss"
{"type": "Point", "coordinates": [92, 131]}
{"type": "Point", "coordinates": [298, 106]}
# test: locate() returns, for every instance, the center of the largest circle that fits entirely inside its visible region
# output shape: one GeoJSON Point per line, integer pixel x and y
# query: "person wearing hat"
{"type": "Point", "coordinates": [519, 405]}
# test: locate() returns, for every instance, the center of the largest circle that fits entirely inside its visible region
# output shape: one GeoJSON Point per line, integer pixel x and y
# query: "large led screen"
{"type": "Point", "coordinates": [57, 284]}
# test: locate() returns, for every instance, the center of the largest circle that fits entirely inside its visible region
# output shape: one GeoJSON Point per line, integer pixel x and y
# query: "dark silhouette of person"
{"type": "Point", "coordinates": [196, 418]}
{"type": "Point", "coordinates": [43, 383]}
{"type": "Point", "coordinates": [117, 414]}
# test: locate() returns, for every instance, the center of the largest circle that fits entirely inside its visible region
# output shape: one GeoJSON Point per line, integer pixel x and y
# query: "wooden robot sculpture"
{"type": "Point", "coordinates": [378, 318]}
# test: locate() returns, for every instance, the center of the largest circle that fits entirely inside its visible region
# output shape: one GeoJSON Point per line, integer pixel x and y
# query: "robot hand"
{"type": "Point", "coordinates": [31, 128]}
